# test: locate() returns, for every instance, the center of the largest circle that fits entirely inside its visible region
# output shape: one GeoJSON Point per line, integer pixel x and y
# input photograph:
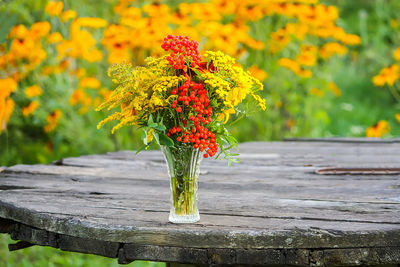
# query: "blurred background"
{"type": "Point", "coordinates": [329, 68]}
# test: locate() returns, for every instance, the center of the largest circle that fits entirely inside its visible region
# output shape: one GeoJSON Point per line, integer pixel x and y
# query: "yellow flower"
{"type": "Point", "coordinates": [150, 135]}
{"type": "Point", "coordinates": [329, 49]}
{"type": "Point", "coordinates": [351, 39]}
{"type": "Point", "coordinates": [258, 73]}
{"type": "Point", "coordinates": [89, 82]}
{"type": "Point", "coordinates": [397, 116]}
{"type": "Point", "coordinates": [91, 22]}
{"type": "Point", "coordinates": [26, 111]}
{"type": "Point", "coordinates": [317, 92]}
{"type": "Point", "coordinates": [54, 38]}
{"type": "Point", "coordinates": [224, 116]}
{"type": "Point", "coordinates": [396, 54]}
{"type": "Point", "coordinates": [333, 87]}
{"type": "Point", "coordinates": [388, 75]}
{"type": "Point", "coordinates": [381, 128]}
{"type": "Point", "coordinates": [307, 59]}
{"type": "Point", "coordinates": [32, 91]}
{"type": "Point", "coordinates": [67, 15]}
{"type": "Point", "coordinates": [289, 64]}
{"type": "Point", "coordinates": [54, 8]}
{"type": "Point", "coordinates": [7, 86]}
{"type": "Point", "coordinates": [6, 109]}
{"type": "Point", "coordinates": [52, 121]}
{"type": "Point", "coordinates": [39, 29]}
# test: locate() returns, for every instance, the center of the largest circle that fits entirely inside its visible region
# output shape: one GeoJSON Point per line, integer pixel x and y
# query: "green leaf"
{"type": "Point", "coordinates": [156, 136]}
{"type": "Point", "coordinates": [143, 147]}
{"type": "Point", "coordinates": [150, 120]}
{"type": "Point", "coordinates": [152, 125]}
{"type": "Point", "coordinates": [165, 140]}
{"type": "Point", "coordinates": [144, 137]}
{"type": "Point", "coordinates": [160, 127]}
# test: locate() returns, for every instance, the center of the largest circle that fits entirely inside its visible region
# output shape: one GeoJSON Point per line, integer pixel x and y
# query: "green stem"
{"type": "Point", "coordinates": [394, 93]}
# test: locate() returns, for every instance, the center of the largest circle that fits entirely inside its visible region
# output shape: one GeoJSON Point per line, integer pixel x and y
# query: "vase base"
{"type": "Point", "coordinates": [174, 218]}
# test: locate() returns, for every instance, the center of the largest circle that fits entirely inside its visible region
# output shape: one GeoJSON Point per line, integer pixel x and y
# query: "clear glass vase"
{"type": "Point", "coordinates": [183, 169]}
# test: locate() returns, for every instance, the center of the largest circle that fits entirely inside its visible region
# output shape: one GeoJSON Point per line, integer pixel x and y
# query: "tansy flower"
{"type": "Point", "coordinates": [32, 91]}
{"type": "Point", "coordinates": [54, 8]}
{"type": "Point", "coordinates": [26, 111]}
{"type": "Point", "coordinates": [388, 75]}
{"type": "Point", "coordinates": [381, 128]}
{"type": "Point", "coordinates": [89, 82]}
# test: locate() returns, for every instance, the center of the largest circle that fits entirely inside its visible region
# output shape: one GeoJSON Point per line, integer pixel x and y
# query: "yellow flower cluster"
{"type": "Point", "coordinates": [232, 84]}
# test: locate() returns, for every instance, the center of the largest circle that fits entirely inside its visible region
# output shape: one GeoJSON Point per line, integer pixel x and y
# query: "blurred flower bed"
{"type": "Point", "coordinates": [54, 58]}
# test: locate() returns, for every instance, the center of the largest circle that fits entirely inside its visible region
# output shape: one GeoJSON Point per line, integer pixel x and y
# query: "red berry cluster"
{"type": "Point", "coordinates": [182, 48]}
{"type": "Point", "coordinates": [193, 102]}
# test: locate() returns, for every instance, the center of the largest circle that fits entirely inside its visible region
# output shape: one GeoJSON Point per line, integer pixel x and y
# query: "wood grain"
{"type": "Point", "coordinates": [272, 208]}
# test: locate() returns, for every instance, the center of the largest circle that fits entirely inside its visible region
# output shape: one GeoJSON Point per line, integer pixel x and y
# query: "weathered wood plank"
{"type": "Point", "coordinates": [272, 208]}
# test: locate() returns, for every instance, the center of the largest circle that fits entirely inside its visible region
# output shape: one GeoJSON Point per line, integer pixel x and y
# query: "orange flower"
{"type": "Point", "coordinates": [381, 128]}
{"type": "Point", "coordinates": [67, 15]}
{"type": "Point", "coordinates": [52, 121]}
{"type": "Point", "coordinates": [89, 82]}
{"type": "Point", "coordinates": [388, 75]}
{"type": "Point", "coordinates": [54, 38]}
{"type": "Point", "coordinates": [54, 8]}
{"type": "Point", "coordinates": [333, 87]}
{"type": "Point", "coordinates": [6, 109]}
{"type": "Point", "coordinates": [26, 111]}
{"type": "Point", "coordinates": [317, 92]}
{"type": "Point", "coordinates": [396, 54]}
{"type": "Point", "coordinates": [91, 22]}
{"type": "Point", "coordinates": [32, 91]}
{"type": "Point", "coordinates": [258, 73]}
{"type": "Point", "coordinates": [397, 116]}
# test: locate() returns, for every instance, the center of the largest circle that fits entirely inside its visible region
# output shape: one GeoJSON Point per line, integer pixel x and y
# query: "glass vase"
{"type": "Point", "coordinates": [183, 168]}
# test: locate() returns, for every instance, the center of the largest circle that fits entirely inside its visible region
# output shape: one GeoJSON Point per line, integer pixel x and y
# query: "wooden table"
{"type": "Point", "coordinates": [272, 208]}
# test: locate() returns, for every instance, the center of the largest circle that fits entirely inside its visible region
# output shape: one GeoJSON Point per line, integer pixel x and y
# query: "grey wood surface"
{"type": "Point", "coordinates": [272, 208]}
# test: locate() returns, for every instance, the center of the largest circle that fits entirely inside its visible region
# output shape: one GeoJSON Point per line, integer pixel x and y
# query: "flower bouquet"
{"type": "Point", "coordinates": [182, 102]}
